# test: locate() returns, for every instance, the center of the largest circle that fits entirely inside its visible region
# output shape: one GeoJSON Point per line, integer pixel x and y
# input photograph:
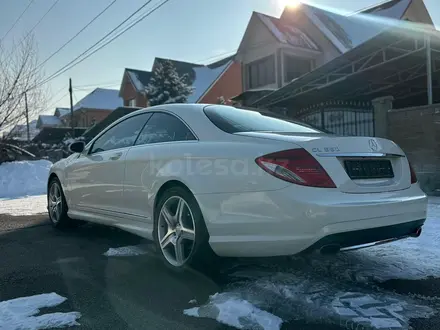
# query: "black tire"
{"type": "Point", "coordinates": [201, 256]}
{"type": "Point", "coordinates": [63, 221]}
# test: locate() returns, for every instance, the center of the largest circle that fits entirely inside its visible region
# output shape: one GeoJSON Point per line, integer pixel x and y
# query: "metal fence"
{"type": "Point", "coordinates": [341, 117]}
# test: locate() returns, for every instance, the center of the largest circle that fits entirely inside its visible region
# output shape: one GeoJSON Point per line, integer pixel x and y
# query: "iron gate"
{"type": "Point", "coordinates": [341, 117]}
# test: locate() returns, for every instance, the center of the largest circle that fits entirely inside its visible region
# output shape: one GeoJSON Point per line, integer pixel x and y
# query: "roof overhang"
{"type": "Point", "coordinates": [392, 63]}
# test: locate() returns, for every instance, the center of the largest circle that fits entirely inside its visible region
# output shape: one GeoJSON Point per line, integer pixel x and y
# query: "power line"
{"type": "Point", "coordinates": [111, 83]}
{"type": "Point", "coordinates": [41, 19]}
{"type": "Point", "coordinates": [77, 34]}
{"type": "Point", "coordinates": [54, 103]}
{"type": "Point", "coordinates": [33, 28]}
{"type": "Point", "coordinates": [58, 72]}
{"type": "Point", "coordinates": [67, 67]}
{"type": "Point", "coordinates": [18, 18]}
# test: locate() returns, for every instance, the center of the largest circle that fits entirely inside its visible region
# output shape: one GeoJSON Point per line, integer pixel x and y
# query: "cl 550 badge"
{"type": "Point", "coordinates": [326, 149]}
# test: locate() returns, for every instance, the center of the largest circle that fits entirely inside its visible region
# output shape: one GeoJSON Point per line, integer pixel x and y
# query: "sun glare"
{"type": "Point", "coordinates": [290, 3]}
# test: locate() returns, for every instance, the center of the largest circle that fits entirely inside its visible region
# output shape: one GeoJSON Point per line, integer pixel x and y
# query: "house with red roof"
{"type": "Point", "coordinates": [221, 79]}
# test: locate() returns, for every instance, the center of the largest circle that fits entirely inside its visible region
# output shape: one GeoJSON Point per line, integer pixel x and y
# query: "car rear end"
{"type": "Point", "coordinates": [341, 193]}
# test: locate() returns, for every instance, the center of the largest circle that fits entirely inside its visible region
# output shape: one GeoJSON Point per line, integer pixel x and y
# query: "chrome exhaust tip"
{"type": "Point", "coordinates": [330, 249]}
{"type": "Point", "coordinates": [417, 232]}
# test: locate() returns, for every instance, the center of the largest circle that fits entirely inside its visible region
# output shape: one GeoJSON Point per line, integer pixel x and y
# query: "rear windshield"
{"type": "Point", "coordinates": [237, 120]}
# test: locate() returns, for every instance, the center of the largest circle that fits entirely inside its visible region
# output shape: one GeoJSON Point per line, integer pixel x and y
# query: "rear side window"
{"type": "Point", "coordinates": [163, 127]}
{"type": "Point", "coordinates": [236, 120]}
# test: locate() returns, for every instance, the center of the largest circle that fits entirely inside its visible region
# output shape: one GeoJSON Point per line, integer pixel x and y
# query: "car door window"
{"type": "Point", "coordinates": [164, 127]}
{"type": "Point", "coordinates": [122, 135]}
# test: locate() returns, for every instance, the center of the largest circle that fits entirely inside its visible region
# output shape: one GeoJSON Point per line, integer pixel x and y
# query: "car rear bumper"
{"type": "Point", "coordinates": [297, 219]}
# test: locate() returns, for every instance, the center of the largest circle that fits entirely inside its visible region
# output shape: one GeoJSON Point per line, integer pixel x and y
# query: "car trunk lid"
{"type": "Point", "coordinates": [356, 164]}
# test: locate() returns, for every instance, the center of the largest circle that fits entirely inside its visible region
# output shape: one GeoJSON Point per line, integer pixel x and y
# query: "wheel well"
{"type": "Point", "coordinates": [167, 185]}
{"type": "Point", "coordinates": [51, 177]}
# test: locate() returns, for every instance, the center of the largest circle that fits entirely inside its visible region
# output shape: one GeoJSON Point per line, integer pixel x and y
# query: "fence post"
{"type": "Point", "coordinates": [381, 106]}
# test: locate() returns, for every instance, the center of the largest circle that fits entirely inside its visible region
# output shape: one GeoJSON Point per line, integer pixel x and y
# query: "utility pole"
{"type": "Point", "coordinates": [71, 109]}
{"type": "Point", "coordinates": [429, 68]}
{"type": "Point", "coordinates": [27, 117]}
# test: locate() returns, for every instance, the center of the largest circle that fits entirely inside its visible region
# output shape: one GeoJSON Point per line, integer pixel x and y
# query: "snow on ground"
{"type": "Point", "coordinates": [24, 206]}
{"type": "Point", "coordinates": [236, 312]}
{"type": "Point", "coordinates": [25, 178]}
{"type": "Point", "coordinates": [21, 313]}
{"type": "Point", "coordinates": [125, 251]}
{"type": "Point", "coordinates": [336, 289]}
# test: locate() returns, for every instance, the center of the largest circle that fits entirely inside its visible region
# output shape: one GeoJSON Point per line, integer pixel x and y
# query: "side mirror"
{"type": "Point", "coordinates": [77, 146]}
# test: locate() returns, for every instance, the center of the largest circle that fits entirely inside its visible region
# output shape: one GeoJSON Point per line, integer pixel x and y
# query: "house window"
{"type": "Point", "coordinates": [261, 72]}
{"type": "Point", "coordinates": [132, 102]}
{"type": "Point", "coordinates": [295, 67]}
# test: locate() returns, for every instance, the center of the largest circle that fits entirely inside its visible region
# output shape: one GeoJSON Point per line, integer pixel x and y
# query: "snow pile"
{"type": "Point", "coordinates": [125, 251]}
{"type": "Point", "coordinates": [20, 313]}
{"type": "Point", "coordinates": [24, 206]}
{"type": "Point", "coordinates": [236, 312]}
{"type": "Point", "coordinates": [24, 178]}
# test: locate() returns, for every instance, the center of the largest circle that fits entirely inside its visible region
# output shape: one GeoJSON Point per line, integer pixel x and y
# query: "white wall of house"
{"type": "Point", "coordinates": [258, 43]}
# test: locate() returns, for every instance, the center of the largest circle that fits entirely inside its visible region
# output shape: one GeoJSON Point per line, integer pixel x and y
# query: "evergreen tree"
{"type": "Point", "coordinates": [166, 86]}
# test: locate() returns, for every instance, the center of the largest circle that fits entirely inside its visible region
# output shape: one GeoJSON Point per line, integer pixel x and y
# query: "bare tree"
{"type": "Point", "coordinates": [20, 74]}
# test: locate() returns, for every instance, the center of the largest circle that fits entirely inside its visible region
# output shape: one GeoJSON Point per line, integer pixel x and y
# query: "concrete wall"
{"type": "Point", "coordinates": [417, 131]}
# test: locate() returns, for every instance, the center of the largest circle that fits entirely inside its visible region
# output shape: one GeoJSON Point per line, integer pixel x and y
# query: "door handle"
{"type": "Point", "coordinates": [116, 156]}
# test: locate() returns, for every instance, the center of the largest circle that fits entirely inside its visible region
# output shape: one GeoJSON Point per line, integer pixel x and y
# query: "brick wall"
{"type": "Point", "coordinates": [229, 85]}
{"type": "Point", "coordinates": [129, 93]}
{"type": "Point", "coordinates": [417, 131]}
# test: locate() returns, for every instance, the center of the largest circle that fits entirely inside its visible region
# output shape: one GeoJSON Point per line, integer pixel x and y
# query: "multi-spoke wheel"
{"type": "Point", "coordinates": [179, 229]}
{"type": "Point", "coordinates": [56, 205]}
{"type": "Point", "coordinates": [176, 230]}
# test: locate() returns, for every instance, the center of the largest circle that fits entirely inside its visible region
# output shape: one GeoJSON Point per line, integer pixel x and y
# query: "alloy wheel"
{"type": "Point", "coordinates": [55, 202]}
{"type": "Point", "coordinates": [176, 231]}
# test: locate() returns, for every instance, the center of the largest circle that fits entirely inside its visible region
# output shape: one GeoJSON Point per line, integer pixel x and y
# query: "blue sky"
{"type": "Point", "coordinates": [187, 30]}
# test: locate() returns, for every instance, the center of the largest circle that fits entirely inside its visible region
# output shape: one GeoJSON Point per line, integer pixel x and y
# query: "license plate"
{"type": "Point", "coordinates": [369, 169]}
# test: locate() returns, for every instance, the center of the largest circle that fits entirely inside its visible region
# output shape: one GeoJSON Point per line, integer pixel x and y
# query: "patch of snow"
{"type": "Point", "coordinates": [205, 77]}
{"type": "Point", "coordinates": [236, 312]}
{"type": "Point", "coordinates": [395, 11]}
{"type": "Point", "coordinates": [125, 251]}
{"type": "Point", "coordinates": [271, 26]}
{"type": "Point", "coordinates": [135, 79]}
{"type": "Point", "coordinates": [24, 206]}
{"type": "Point", "coordinates": [20, 313]}
{"type": "Point", "coordinates": [347, 32]}
{"type": "Point", "coordinates": [47, 120]}
{"type": "Point", "coordinates": [192, 301]}
{"type": "Point", "coordinates": [303, 295]}
{"type": "Point", "coordinates": [24, 178]}
{"type": "Point", "coordinates": [101, 99]}
{"type": "Point", "coordinates": [62, 111]}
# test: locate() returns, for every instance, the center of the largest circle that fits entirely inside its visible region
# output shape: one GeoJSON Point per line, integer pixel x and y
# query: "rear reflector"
{"type": "Point", "coordinates": [296, 166]}
{"type": "Point", "coordinates": [413, 174]}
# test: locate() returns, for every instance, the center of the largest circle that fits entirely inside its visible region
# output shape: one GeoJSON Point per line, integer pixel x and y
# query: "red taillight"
{"type": "Point", "coordinates": [413, 174]}
{"type": "Point", "coordinates": [296, 166]}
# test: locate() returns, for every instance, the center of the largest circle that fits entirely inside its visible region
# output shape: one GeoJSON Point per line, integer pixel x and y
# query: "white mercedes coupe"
{"type": "Point", "coordinates": [237, 182]}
